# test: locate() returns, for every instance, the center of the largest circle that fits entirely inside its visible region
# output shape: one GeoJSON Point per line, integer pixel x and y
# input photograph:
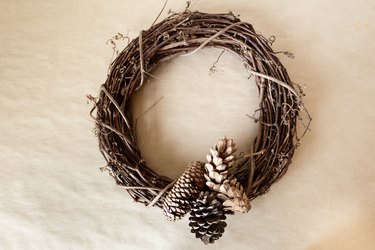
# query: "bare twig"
{"type": "Point", "coordinates": [161, 193]}
{"type": "Point", "coordinates": [161, 11]}
{"type": "Point", "coordinates": [213, 68]}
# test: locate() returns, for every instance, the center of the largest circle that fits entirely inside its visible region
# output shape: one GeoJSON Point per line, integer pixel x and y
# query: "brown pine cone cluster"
{"type": "Point", "coordinates": [208, 192]}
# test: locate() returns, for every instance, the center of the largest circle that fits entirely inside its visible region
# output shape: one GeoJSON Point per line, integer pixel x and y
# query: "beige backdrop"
{"type": "Point", "coordinates": [53, 196]}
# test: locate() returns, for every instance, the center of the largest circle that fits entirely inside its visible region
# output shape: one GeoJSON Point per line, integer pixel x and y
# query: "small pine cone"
{"type": "Point", "coordinates": [184, 192]}
{"type": "Point", "coordinates": [233, 195]}
{"type": "Point", "coordinates": [220, 159]}
{"type": "Point", "coordinates": [207, 218]}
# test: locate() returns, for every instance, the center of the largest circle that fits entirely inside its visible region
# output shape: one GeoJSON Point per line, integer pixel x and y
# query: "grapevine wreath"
{"type": "Point", "coordinates": [227, 181]}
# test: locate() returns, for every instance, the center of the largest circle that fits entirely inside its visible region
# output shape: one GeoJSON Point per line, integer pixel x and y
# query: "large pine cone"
{"type": "Point", "coordinates": [220, 159]}
{"type": "Point", "coordinates": [184, 192]}
{"type": "Point", "coordinates": [207, 218]}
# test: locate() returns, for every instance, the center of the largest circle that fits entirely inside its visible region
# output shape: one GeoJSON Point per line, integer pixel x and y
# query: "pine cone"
{"type": "Point", "coordinates": [184, 192]}
{"type": "Point", "coordinates": [233, 195]}
{"type": "Point", "coordinates": [220, 159]}
{"type": "Point", "coordinates": [207, 218]}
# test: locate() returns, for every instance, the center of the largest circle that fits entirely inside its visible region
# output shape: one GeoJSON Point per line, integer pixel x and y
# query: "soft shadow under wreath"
{"type": "Point", "coordinates": [227, 181]}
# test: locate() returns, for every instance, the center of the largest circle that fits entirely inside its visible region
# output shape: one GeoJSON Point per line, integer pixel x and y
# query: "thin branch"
{"type": "Point", "coordinates": [283, 84]}
{"type": "Point", "coordinates": [213, 37]}
{"type": "Point", "coordinates": [141, 59]}
{"type": "Point", "coordinates": [115, 103]}
{"type": "Point", "coordinates": [161, 193]}
{"type": "Point", "coordinates": [161, 11]}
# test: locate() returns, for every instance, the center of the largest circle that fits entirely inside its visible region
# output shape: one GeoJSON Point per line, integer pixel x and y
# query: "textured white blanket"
{"type": "Point", "coordinates": [52, 193]}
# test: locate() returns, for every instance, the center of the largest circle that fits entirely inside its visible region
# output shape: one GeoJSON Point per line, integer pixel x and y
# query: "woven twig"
{"type": "Point", "coordinates": [280, 106]}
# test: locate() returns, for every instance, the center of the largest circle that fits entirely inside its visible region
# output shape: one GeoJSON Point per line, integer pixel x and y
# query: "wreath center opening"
{"type": "Point", "coordinates": [189, 102]}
